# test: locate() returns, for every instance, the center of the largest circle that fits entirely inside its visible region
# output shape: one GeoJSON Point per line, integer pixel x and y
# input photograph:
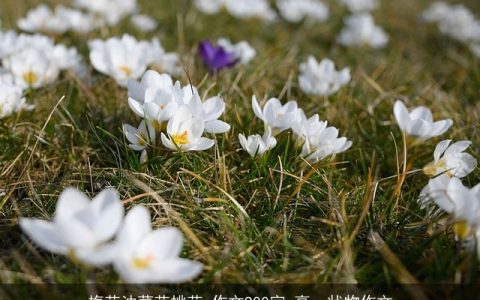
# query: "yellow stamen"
{"type": "Point", "coordinates": [125, 70]}
{"type": "Point", "coordinates": [180, 139]}
{"type": "Point", "coordinates": [461, 229]}
{"type": "Point", "coordinates": [143, 262]}
{"type": "Point", "coordinates": [30, 77]}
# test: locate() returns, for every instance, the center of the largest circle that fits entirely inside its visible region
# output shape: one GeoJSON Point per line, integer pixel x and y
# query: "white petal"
{"type": "Point", "coordinates": [98, 256]}
{"type": "Point", "coordinates": [70, 202]}
{"type": "Point", "coordinates": [110, 211]}
{"type": "Point", "coordinates": [44, 234]}
{"type": "Point", "coordinates": [440, 149]}
{"type": "Point", "coordinates": [164, 243]}
{"type": "Point", "coordinates": [177, 270]}
{"type": "Point", "coordinates": [216, 127]}
{"type": "Point", "coordinates": [401, 115]}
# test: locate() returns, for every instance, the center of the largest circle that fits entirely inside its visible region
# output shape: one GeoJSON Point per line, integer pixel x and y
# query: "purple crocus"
{"type": "Point", "coordinates": [216, 58]}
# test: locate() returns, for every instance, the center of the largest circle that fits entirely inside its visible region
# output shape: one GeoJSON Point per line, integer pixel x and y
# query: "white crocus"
{"type": "Point", "coordinates": [77, 20]}
{"type": "Point", "coordinates": [322, 79]}
{"type": "Point", "coordinates": [275, 115]}
{"type": "Point", "coordinates": [112, 11]}
{"type": "Point", "coordinates": [185, 132]}
{"type": "Point", "coordinates": [11, 100]}
{"type": "Point", "coordinates": [209, 6]}
{"type": "Point", "coordinates": [8, 43]}
{"type": "Point", "coordinates": [140, 137]}
{"type": "Point", "coordinates": [356, 6]}
{"type": "Point", "coordinates": [242, 51]}
{"type": "Point", "coordinates": [460, 24]}
{"type": "Point", "coordinates": [144, 23]}
{"type": "Point", "coordinates": [297, 10]}
{"type": "Point", "coordinates": [436, 12]}
{"type": "Point", "coordinates": [247, 9]}
{"type": "Point", "coordinates": [451, 159]}
{"type": "Point", "coordinates": [81, 229]}
{"type": "Point", "coordinates": [43, 19]}
{"type": "Point", "coordinates": [166, 62]}
{"type": "Point", "coordinates": [151, 256]}
{"type": "Point", "coordinates": [122, 58]}
{"type": "Point", "coordinates": [305, 127]}
{"type": "Point", "coordinates": [323, 144]}
{"type": "Point", "coordinates": [419, 122]}
{"type": "Point", "coordinates": [257, 145]}
{"type": "Point", "coordinates": [361, 30]}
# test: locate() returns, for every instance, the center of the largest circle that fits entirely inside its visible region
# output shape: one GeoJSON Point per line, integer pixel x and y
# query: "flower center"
{"type": "Point", "coordinates": [180, 139]}
{"type": "Point", "coordinates": [125, 70]}
{"type": "Point", "coordinates": [30, 77]}
{"type": "Point", "coordinates": [461, 229]}
{"type": "Point", "coordinates": [143, 262]}
{"type": "Point", "coordinates": [142, 138]}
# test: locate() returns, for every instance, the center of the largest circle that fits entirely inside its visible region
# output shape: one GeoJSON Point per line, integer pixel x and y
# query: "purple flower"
{"type": "Point", "coordinates": [215, 58]}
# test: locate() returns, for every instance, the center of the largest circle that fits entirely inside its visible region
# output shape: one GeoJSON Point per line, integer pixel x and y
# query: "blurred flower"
{"type": "Point", "coordinates": [275, 115]}
{"type": "Point", "coordinates": [242, 51]}
{"type": "Point", "coordinates": [297, 10]}
{"type": "Point", "coordinates": [247, 9]}
{"type": "Point", "coordinates": [361, 30]}
{"type": "Point", "coordinates": [8, 43]}
{"type": "Point", "coordinates": [81, 229]}
{"type": "Point", "coordinates": [151, 256]}
{"type": "Point", "coordinates": [140, 137]}
{"type": "Point", "coordinates": [451, 159]}
{"type": "Point", "coordinates": [166, 62]}
{"type": "Point", "coordinates": [257, 145]}
{"type": "Point", "coordinates": [216, 58]}
{"type": "Point", "coordinates": [435, 12]}
{"type": "Point", "coordinates": [42, 19]}
{"type": "Point", "coordinates": [357, 6]}
{"type": "Point", "coordinates": [144, 23]}
{"type": "Point", "coordinates": [324, 143]}
{"type": "Point", "coordinates": [11, 100]}
{"type": "Point", "coordinates": [209, 6]}
{"type": "Point", "coordinates": [185, 132]}
{"type": "Point", "coordinates": [460, 24]}
{"type": "Point", "coordinates": [77, 20]}
{"type": "Point", "coordinates": [112, 11]}
{"type": "Point", "coordinates": [322, 79]}
{"type": "Point", "coordinates": [475, 48]}
{"type": "Point", "coordinates": [419, 122]}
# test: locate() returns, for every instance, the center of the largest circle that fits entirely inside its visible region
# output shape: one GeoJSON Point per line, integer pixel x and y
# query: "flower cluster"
{"type": "Point", "coordinates": [244, 9]}
{"type": "Point", "coordinates": [177, 113]}
{"type": "Point", "coordinates": [457, 22]}
{"type": "Point", "coordinates": [314, 137]}
{"type": "Point", "coordinates": [126, 58]}
{"type": "Point", "coordinates": [96, 233]}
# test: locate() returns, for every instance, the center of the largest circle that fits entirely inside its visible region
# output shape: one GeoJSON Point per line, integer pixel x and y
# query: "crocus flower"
{"type": "Point", "coordinates": [216, 58]}
{"type": "Point", "coordinates": [357, 6]}
{"type": "Point", "coordinates": [144, 23]}
{"type": "Point", "coordinates": [275, 115]}
{"type": "Point", "coordinates": [297, 10]}
{"type": "Point", "coordinates": [257, 145]}
{"type": "Point", "coordinates": [419, 122]}
{"type": "Point", "coordinates": [112, 11]}
{"type": "Point", "coordinates": [247, 9]}
{"type": "Point", "coordinates": [185, 132]}
{"type": "Point", "coordinates": [151, 256]}
{"type": "Point", "coordinates": [305, 127]}
{"type": "Point", "coordinates": [80, 228]}
{"type": "Point", "coordinates": [361, 30]}
{"type": "Point", "coordinates": [451, 159]}
{"type": "Point", "coordinates": [322, 79]}
{"type": "Point", "coordinates": [242, 51]}
{"type": "Point", "coordinates": [140, 137]}
{"type": "Point", "coordinates": [43, 19]}
{"type": "Point", "coordinates": [435, 12]}
{"type": "Point", "coordinates": [460, 24]}
{"type": "Point", "coordinates": [323, 144]}
{"type": "Point", "coordinates": [11, 100]}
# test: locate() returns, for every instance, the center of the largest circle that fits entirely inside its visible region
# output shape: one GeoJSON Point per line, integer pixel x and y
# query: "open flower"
{"type": "Point", "coordinates": [151, 256]}
{"type": "Point", "coordinates": [11, 100]}
{"type": "Point", "coordinates": [216, 58]}
{"type": "Point", "coordinates": [80, 228]}
{"type": "Point", "coordinates": [43, 19]}
{"type": "Point", "coordinates": [305, 127]}
{"type": "Point", "coordinates": [451, 159]}
{"type": "Point", "coordinates": [144, 23]}
{"type": "Point", "coordinates": [257, 145]}
{"type": "Point", "coordinates": [361, 30]}
{"type": "Point", "coordinates": [321, 78]}
{"type": "Point", "coordinates": [357, 6]}
{"type": "Point", "coordinates": [297, 10]}
{"type": "Point", "coordinates": [185, 132]}
{"type": "Point", "coordinates": [419, 122]}
{"type": "Point", "coordinates": [323, 144]}
{"type": "Point", "coordinates": [242, 51]}
{"type": "Point", "coordinates": [140, 137]}
{"type": "Point", "coordinates": [275, 115]}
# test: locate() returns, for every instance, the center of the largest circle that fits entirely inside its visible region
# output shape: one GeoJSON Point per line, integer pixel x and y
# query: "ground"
{"type": "Point", "coordinates": [273, 220]}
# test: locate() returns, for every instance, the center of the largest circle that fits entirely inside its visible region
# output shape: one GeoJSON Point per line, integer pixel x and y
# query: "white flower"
{"type": "Point", "coordinates": [475, 48]}
{"type": "Point", "coordinates": [140, 137]}
{"type": "Point", "coordinates": [43, 19]}
{"type": "Point", "coordinates": [143, 22]}
{"type": "Point", "coordinates": [167, 62]}
{"type": "Point", "coordinates": [242, 51]}
{"type": "Point", "coordinates": [419, 122]}
{"type": "Point", "coordinates": [185, 132]}
{"type": "Point", "coordinates": [257, 145]}
{"type": "Point", "coordinates": [110, 10]}
{"type": "Point", "coordinates": [451, 159]}
{"type": "Point", "coordinates": [250, 9]}
{"type": "Point", "coordinates": [68, 59]}
{"type": "Point", "coordinates": [77, 20]}
{"type": "Point", "coordinates": [324, 143]}
{"type": "Point", "coordinates": [11, 100]}
{"type": "Point", "coordinates": [32, 67]}
{"type": "Point", "coordinates": [122, 59]}
{"type": "Point", "coordinates": [151, 256]}
{"type": "Point", "coordinates": [8, 43]}
{"type": "Point", "coordinates": [80, 228]}
{"type": "Point", "coordinates": [361, 31]}
{"type": "Point", "coordinates": [321, 78]}
{"type": "Point", "coordinates": [297, 10]}
{"type": "Point", "coordinates": [356, 6]}
{"type": "Point", "coordinates": [436, 12]}
{"type": "Point", "coordinates": [275, 115]}
{"type": "Point", "coordinates": [460, 23]}
{"type": "Point", "coordinates": [305, 127]}
{"type": "Point", "coordinates": [209, 6]}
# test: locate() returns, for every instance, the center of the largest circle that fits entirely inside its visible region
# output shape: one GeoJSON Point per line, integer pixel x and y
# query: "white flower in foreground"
{"type": "Point", "coordinates": [43, 19]}
{"type": "Point", "coordinates": [110, 10]}
{"type": "Point", "coordinates": [122, 59]}
{"type": "Point", "coordinates": [323, 144]}
{"type": "Point", "coordinates": [419, 122]}
{"type": "Point", "coordinates": [275, 115]}
{"type": "Point", "coordinates": [322, 79]}
{"type": "Point", "coordinates": [361, 30]}
{"type": "Point", "coordinates": [209, 6]}
{"type": "Point", "coordinates": [81, 229]}
{"type": "Point", "coordinates": [140, 137]}
{"type": "Point", "coordinates": [11, 100]}
{"type": "Point", "coordinates": [451, 159]}
{"type": "Point", "coordinates": [242, 51]}
{"type": "Point", "coordinates": [257, 145]}
{"type": "Point", "coordinates": [151, 256]}
{"type": "Point", "coordinates": [435, 12]}
{"type": "Point", "coordinates": [297, 10]}
{"type": "Point", "coordinates": [143, 22]}
{"type": "Point", "coordinates": [356, 6]}
{"type": "Point", "coordinates": [185, 132]}
{"type": "Point", "coordinates": [305, 127]}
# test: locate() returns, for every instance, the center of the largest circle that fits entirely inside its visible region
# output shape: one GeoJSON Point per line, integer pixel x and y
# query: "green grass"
{"type": "Point", "coordinates": [303, 223]}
